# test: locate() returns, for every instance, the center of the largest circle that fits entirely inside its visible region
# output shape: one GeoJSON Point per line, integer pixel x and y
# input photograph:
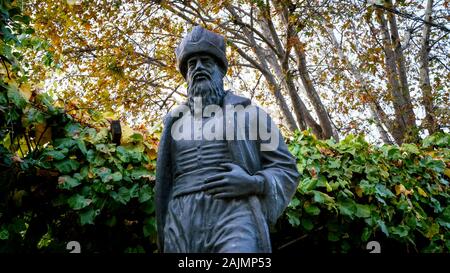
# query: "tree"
{"type": "Point", "coordinates": [332, 66]}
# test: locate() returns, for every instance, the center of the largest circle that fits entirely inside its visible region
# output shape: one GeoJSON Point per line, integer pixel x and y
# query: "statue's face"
{"type": "Point", "coordinates": [205, 80]}
{"type": "Point", "coordinates": [201, 68]}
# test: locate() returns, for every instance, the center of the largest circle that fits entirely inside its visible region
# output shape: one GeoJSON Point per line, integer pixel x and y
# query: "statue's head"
{"type": "Point", "coordinates": [202, 61]}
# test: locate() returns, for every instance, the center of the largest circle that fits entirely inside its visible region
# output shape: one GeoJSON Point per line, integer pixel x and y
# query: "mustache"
{"type": "Point", "coordinates": [201, 73]}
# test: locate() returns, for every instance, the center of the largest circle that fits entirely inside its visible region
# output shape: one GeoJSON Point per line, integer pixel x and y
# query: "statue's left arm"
{"type": "Point", "coordinates": [279, 170]}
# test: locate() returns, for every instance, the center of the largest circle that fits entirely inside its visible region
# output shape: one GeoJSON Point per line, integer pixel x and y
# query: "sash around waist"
{"type": "Point", "coordinates": [193, 181]}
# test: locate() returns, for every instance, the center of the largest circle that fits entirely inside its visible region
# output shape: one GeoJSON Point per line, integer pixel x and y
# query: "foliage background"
{"type": "Point", "coordinates": [63, 178]}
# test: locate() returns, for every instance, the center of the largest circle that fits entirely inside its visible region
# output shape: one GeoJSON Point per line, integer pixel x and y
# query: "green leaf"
{"type": "Point", "coordinates": [307, 224]}
{"type": "Point", "coordinates": [104, 174]}
{"type": "Point", "coordinates": [66, 182]}
{"type": "Point", "coordinates": [322, 198]}
{"type": "Point", "coordinates": [362, 211]}
{"type": "Point", "coordinates": [4, 234]}
{"type": "Point", "coordinates": [401, 230]}
{"type": "Point", "coordinates": [308, 184]}
{"type": "Point", "coordinates": [82, 146]}
{"type": "Point", "coordinates": [145, 193]}
{"type": "Point", "coordinates": [62, 143]}
{"type": "Point", "coordinates": [122, 196]}
{"type": "Point", "coordinates": [73, 129]}
{"type": "Point", "coordinates": [54, 154]}
{"type": "Point", "coordinates": [383, 227]}
{"type": "Point", "coordinates": [347, 207]}
{"type": "Point", "coordinates": [140, 172]}
{"type": "Point", "coordinates": [117, 176]}
{"type": "Point", "coordinates": [15, 96]}
{"type": "Point", "coordinates": [34, 116]}
{"type": "Point", "coordinates": [122, 154]}
{"type": "Point", "coordinates": [149, 228]}
{"type": "Point", "coordinates": [134, 191]}
{"type": "Point", "coordinates": [410, 148]}
{"type": "Point", "coordinates": [88, 216]}
{"type": "Point", "coordinates": [136, 137]}
{"type": "Point", "coordinates": [78, 202]}
{"type": "Point", "coordinates": [95, 158]}
{"type": "Point", "coordinates": [333, 236]}
{"type": "Point", "coordinates": [366, 234]}
{"type": "Point", "coordinates": [312, 210]}
{"type": "Point", "coordinates": [294, 203]}
{"type": "Point", "coordinates": [67, 166]}
{"type": "Point", "coordinates": [293, 218]}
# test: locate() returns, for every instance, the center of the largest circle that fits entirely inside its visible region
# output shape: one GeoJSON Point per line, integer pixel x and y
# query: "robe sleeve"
{"type": "Point", "coordinates": [279, 170]}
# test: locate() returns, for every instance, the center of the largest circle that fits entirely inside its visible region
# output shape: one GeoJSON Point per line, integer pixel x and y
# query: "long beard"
{"type": "Point", "coordinates": [210, 91]}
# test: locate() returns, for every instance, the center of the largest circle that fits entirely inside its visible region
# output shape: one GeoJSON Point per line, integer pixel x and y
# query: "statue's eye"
{"type": "Point", "coordinates": [206, 61]}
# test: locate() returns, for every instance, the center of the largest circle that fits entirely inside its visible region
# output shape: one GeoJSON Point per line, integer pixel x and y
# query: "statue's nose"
{"type": "Point", "coordinates": [199, 65]}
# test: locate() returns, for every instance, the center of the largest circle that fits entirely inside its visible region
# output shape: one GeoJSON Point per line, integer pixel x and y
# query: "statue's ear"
{"type": "Point", "coordinates": [222, 70]}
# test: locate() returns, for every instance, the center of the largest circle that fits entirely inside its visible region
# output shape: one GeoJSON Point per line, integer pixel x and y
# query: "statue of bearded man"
{"type": "Point", "coordinates": [218, 194]}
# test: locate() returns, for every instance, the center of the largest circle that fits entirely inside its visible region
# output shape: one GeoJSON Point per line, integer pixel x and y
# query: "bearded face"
{"type": "Point", "coordinates": [205, 80]}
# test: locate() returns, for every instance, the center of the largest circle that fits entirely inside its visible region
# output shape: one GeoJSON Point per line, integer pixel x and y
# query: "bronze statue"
{"type": "Point", "coordinates": [224, 173]}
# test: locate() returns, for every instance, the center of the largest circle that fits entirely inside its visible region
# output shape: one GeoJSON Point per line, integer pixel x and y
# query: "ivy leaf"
{"type": "Point", "coordinates": [293, 218]}
{"type": "Point", "coordinates": [333, 236]}
{"type": "Point", "coordinates": [4, 234]}
{"type": "Point", "coordinates": [362, 211]}
{"type": "Point", "coordinates": [149, 228]}
{"type": "Point", "coordinates": [145, 193]}
{"type": "Point", "coordinates": [307, 224]}
{"type": "Point", "coordinates": [73, 130]}
{"type": "Point", "coordinates": [88, 216]}
{"type": "Point", "coordinates": [78, 202]}
{"type": "Point", "coordinates": [140, 172]}
{"type": "Point", "coordinates": [410, 148]}
{"type": "Point", "coordinates": [294, 203]}
{"type": "Point", "coordinates": [67, 166]}
{"type": "Point", "coordinates": [116, 177]}
{"type": "Point", "coordinates": [347, 207]}
{"type": "Point", "coordinates": [67, 182]}
{"type": "Point", "coordinates": [15, 96]}
{"type": "Point", "coordinates": [82, 146]}
{"type": "Point", "coordinates": [401, 230]}
{"type": "Point", "coordinates": [122, 196]}
{"type": "Point", "coordinates": [366, 234]}
{"type": "Point", "coordinates": [104, 174]}
{"type": "Point", "coordinates": [54, 154]}
{"type": "Point", "coordinates": [383, 227]}
{"type": "Point", "coordinates": [312, 210]}
{"type": "Point", "coordinates": [322, 198]}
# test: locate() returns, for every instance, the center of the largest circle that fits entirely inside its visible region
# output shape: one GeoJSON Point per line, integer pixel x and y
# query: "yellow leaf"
{"type": "Point", "coordinates": [127, 132]}
{"type": "Point", "coordinates": [25, 90]}
{"type": "Point", "coordinates": [399, 189]}
{"type": "Point", "coordinates": [359, 192]}
{"type": "Point", "coordinates": [447, 172]}
{"type": "Point", "coordinates": [110, 115]}
{"type": "Point", "coordinates": [151, 154]}
{"type": "Point", "coordinates": [43, 133]}
{"type": "Point", "coordinates": [422, 192]}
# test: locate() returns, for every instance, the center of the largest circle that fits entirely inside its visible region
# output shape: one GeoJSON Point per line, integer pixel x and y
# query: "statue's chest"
{"type": "Point", "coordinates": [199, 148]}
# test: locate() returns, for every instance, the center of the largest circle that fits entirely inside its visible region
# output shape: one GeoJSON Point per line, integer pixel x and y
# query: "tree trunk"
{"type": "Point", "coordinates": [322, 113]}
{"type": "Point", "coordinates": [410, 118]}
{"type": "Point", "coordinates": [424, 71]}
{"type": "Point", "coordinates": [400, 128]}
{"type": "Point", "coordinates": [282, 72]}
